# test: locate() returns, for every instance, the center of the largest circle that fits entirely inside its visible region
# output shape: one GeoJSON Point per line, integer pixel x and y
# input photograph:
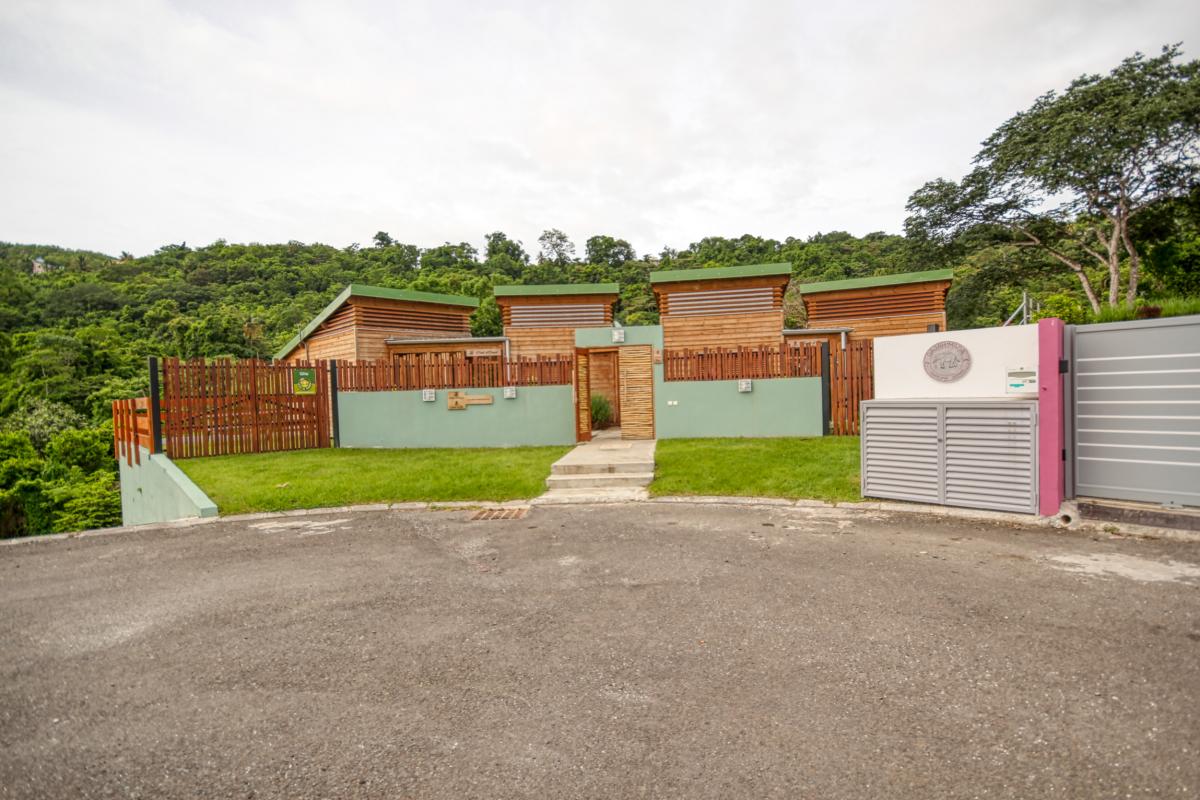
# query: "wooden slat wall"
{"type": "Point", "coordinates": [555, 304]}
{"type": "Point", "coordinates": [529, 342]}
{"type": "Point", "coordinates": [892, 326]}
{"type": "Point", "coordinates": [723, 331]}
{"type": "Point", "coordinates": [335, 346]}
{"type": "Point", "coordinates": [495, 348]}
{"type": "Point", "coordinates": [605, 380]}
{"type": "Point", "coordinates": [583, 393]}
{"type": "Point", "coordinates": [637, 392]}
{"type": "Point", "coordinates": [131, 429]}
{"type": "Point", "coordinates": [851, 380]}
{"type": "Point", "coordinates": [801, 361]}
{"type": "Point", "coordinates": [409, 371]}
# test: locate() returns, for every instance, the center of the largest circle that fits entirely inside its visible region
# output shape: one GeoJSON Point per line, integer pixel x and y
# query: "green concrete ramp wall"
{"type": "Point", "coordinates": [157, 491]}
{"type": "Point", "coordinates": [538, 415]}
{"type": "Point", "coordinates": [710, 409]}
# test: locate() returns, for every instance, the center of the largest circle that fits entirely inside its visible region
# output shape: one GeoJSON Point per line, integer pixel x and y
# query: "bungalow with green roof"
{"type": "Point", "coordinates": [866, 308]}
{"type": "Point", "coordinates": [367, 323]}
{"type": "Point", "coordinates": [540, 320]}
{"type": "Point", "coordinates": [721, 307]}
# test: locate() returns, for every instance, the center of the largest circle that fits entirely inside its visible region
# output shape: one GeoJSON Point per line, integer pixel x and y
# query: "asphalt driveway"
{"type": "Point", "coordinates": [627, 651]}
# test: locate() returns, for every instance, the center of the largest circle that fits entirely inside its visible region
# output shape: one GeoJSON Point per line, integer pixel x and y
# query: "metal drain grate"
{"type": "Point", "coordinates": [501, 513]}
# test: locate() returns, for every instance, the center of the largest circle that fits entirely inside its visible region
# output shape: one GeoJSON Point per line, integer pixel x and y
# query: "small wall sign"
{"type": "Point", "coordinates": [304, 380]}
{"type": "Point", "coordinates": [1019, 380]}
{"type": "Point", "coordinates": [458, 401]}
{"type": "Point", "coordinates": [947, 361]}
{"type": "Point", "coordinates": [510, 393]}
{"type": "Point", "coordinates": [618, 335]}
{"type": "Point", "coordinates": [745, 386]}
{"type": "Point", "coordinates": [428, 395]}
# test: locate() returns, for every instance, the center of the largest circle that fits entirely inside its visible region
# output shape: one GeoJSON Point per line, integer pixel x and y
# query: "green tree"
{"type": "Point", "coordinates": [1069, 175]}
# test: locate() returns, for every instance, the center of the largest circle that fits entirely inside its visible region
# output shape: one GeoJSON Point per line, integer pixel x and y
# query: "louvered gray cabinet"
{"type": "Point", "coordinates": [974, 454]}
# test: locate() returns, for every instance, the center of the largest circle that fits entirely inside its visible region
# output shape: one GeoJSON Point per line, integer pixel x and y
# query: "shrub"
{"type": "Point", "coordinates": [41, 419]}
{"type": "Point", "coordinates": [602, 413]}
{"type": "Point", "coordinates": [89, 449]}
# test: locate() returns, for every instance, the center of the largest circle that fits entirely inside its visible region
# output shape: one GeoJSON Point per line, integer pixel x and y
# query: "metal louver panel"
{"type": "Point", "coordinates": [974, 454]}
{"type": "Point", "coordinates": [900, 453]}
{"type": "Point", "coordinates": [990, 457]}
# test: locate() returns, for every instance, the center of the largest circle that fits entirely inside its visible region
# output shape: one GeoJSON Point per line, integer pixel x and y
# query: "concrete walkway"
{"type": "Point", "coordinates": [606, 469]}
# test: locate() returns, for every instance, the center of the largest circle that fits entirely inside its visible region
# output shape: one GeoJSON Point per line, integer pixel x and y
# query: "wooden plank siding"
{"type": "Point", "coordinates": [359, 330]}
{"type": "Point", "coordinates": [723, 331]}
{"type": "Point", "coordinates": [636, 367]}
{"type": "Point", "coordinates": [881, 310]}
{"type": "Point", "coordinates": [605, 379]}
{"type": "Point", "coordinates": [722, 313]}
{"type": "Point", "coordinates": [544, 325]}
{"type": "Point", "coordinates": [531, 342]}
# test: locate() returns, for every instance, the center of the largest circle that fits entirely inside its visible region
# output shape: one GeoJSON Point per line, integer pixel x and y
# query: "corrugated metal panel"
{"type": "Point", "coordinates": [1137, 410]}
{"type": "Point", "coordinates": [990, 456]}
{"type": "Point", "coordinates": [901, 456]}
{"type": "Point", "coordinates": [970, 453]}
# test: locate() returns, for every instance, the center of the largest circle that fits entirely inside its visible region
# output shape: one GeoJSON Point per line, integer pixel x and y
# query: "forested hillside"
{"type": "Point", "coordinates": [1088, 201]}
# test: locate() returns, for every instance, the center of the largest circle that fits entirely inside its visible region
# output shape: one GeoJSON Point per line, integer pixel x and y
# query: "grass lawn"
{"type": "Point", "coordinates": [321, 478]}
{"type": "Point", "coordinates": [822, 469]}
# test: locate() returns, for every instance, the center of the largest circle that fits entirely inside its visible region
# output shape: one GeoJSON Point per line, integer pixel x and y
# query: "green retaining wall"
{"type": "Point", "coordinates": [710, 409]}
{"type": "Point", "coordinates": [538, 415]}
{"type": "Point", "coordinates": [158, 491]}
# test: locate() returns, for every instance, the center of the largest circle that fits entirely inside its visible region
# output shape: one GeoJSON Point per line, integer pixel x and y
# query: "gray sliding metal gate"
{"type": "Point", "coordinates": [1136, 410]}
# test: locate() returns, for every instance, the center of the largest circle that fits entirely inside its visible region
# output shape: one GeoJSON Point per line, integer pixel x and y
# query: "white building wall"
{"type": "Point", "coordinates": [900, 371]}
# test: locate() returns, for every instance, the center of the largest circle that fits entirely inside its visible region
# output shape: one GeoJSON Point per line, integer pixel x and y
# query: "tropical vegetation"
{"type": "Point", "coordinates": [1088, 202]}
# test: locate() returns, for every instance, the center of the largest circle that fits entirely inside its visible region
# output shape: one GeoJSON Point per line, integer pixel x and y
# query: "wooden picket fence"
{"type": "Point", "coordinates": [851, 380]}
{"type": "Point", "coordinates": [452, 371]}
{"type": "Point", "coordinates": [797, 361]}
{"type": "Point", "coordinates": [224, 407]}
{"type": "Point", "coordinates": [132, 429]}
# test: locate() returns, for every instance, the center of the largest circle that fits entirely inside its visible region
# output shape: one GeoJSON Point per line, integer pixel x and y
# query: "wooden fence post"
{"type": "Point", "coordinates": [333, 403]}
{"type": "Point", "coordinates": [156, 441]}
{"type": "Point", "coordinates": [826, 386]}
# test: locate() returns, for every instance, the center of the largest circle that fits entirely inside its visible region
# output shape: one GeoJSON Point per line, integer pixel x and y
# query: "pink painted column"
{"type": "Point", "coordinates": [1050, 417]}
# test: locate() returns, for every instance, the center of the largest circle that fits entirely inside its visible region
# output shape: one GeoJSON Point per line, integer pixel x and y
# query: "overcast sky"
{"type": "Point", "coordinates": [128, 125]}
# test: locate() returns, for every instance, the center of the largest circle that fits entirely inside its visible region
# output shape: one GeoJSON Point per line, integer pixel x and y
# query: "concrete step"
{"type": "Point", "coordinates": [607, 468]}
{"type": "Point", "coordinates": [606, 480]}
{"type": "Point", "coordinates": [615, 494]}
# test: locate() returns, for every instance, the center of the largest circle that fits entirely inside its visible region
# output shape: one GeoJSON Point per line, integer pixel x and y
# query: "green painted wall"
{"type": "Point", "coordinates": [709, 409]}
{"type": "Point", "coordinates": [635, 334]}
{"type": "Point", "coordinates": [157, 491]}
{"type": "Point", "coordinates": [539, 415]}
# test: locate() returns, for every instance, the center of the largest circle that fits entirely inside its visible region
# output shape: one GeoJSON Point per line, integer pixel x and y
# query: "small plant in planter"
{"type": "Point", "coordinates": [602, 413]}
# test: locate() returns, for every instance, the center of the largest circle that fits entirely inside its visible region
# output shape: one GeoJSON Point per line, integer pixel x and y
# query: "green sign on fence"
{"type": "Point", "coordinates": [304, 381]}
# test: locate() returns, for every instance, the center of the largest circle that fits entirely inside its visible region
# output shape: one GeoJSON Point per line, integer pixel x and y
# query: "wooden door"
{"type": "Point", "coordinates": [583, 397]}
{"type": "Point", "coordinates": [636, 369]}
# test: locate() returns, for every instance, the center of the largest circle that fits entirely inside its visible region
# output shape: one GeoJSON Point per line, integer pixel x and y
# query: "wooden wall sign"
{"type": "Point", "coordinates": [457, 401]}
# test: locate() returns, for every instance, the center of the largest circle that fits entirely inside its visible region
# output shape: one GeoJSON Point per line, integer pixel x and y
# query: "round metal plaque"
{"type": "Point", "coordinates": [947, 361]}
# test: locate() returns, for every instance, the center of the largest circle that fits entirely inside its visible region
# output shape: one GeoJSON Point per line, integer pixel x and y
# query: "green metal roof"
{"type": "Point", "coordinates": [381, 292]}
{"type": "Point", "coordinates": [717, 273]}
{"type": "Point", "coordinates": [545, 289]}
{"type": "Point", "coordinates": [876, 280]}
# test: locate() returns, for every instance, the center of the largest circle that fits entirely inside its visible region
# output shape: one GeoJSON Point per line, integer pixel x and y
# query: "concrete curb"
{"type": "Point", "coordinates": [964, 514]}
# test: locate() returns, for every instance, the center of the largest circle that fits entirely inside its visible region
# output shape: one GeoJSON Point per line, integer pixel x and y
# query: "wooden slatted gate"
{"type": "Point", "coordinates": [851, 381]}
{"type": "Point", "coordinates": [225, 407]}
{"type": "Point", "coordinates": [636, 371]}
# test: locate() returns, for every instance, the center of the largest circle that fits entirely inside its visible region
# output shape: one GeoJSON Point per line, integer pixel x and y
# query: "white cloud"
{"type": "Point", "coordinates": [131, 124]}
